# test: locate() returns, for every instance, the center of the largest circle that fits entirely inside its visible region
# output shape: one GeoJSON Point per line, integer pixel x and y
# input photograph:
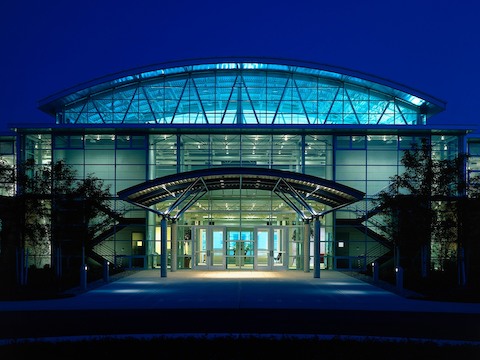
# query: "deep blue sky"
{"type": "Point", "coordinates": [51, 45]}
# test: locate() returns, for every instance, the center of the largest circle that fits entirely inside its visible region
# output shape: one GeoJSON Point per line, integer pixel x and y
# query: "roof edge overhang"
{"type": "Point", "coordinates": [305, 188]}
{"type": "Point", "coordinates": [339, 129]}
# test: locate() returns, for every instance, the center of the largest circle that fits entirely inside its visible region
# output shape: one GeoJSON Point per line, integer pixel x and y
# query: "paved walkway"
{"type": "Point", "coordinates": [240, 302]}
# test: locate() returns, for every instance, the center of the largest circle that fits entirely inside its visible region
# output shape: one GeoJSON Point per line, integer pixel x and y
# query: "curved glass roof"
{"type": "Point", "coordinates": [241, 91]}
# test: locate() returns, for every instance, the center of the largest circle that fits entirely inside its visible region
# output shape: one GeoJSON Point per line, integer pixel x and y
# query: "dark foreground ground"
{"type": "Point", "coordinates": [240, 347]}
{"type": "Point", "coordinates": [287, 316]}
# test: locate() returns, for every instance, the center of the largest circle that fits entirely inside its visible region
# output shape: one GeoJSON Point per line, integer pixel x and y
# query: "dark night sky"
{"type": "Point", "coordinates": [51, 45]}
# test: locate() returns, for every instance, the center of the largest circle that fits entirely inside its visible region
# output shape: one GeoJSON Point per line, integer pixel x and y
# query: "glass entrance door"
{"type": "Point", "coordinates": [240, 249]}
{"type": "Point", "coordinates": [279, 241]}
{"type": "Point", "coordinates": [260, 248]}
{"type": "Point", "coordinates": [209, 245]}
{"type": "Point", "coordinates": [264, 258]}
{"type": "Point", "coordinates": [271, 248]}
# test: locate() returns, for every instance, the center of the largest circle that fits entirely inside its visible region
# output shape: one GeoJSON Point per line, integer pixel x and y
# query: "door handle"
{"type": "Point", "coordinates": [208, 252]}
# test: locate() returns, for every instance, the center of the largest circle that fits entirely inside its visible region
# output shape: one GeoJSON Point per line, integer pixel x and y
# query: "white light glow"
{"type": "Point", "coordinates": [239, 275]}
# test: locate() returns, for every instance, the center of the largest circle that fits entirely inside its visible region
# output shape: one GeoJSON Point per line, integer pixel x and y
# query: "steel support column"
{"type": "Point", "coordinates": [306, 247]}
{"type": "Point", "coordinates": [173, 266]}
{"type": "Point", "coordinates": [316, 248]}
{"type": "Point", "coordinates": [163, 255]}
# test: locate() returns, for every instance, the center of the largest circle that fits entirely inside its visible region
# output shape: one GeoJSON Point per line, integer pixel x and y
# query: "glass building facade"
{"type": "Point", "coordinates": [190, 137]}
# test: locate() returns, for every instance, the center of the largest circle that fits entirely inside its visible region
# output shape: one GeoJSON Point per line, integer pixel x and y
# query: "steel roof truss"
{"type": "Point", "coordinates": [184, 195]}
{"type": "Point", "coordinates": [98, 110]}
{"type": "Point", "coordinates": [298, 197]}
{"type": "Point", "coordinates": [179, 101]}
{"type": "Point", "coordinates": [383, 112]}
{"type": "Point", "coordinates": [353, 108]}
{"type": "Point", "coordinates": [401, 114]}
{"type": "Point", "coordinates": [282, 196]}
{"type": "Point", "coordinates": [301, 101]}
{"type": "Point", "coordinates": [159, 213]}
{"type": "Point", "coordinates": [195, 198]}
{"type": "Point", "coordinates": [280, 101]}
{"type": "Point", "coordinates": [81, 111]}
{"type": "Point", "coordinates": [331, 105]}
{"type": "Point", "coordinates": [147, 99]}
{"type": "Point", "coordinates": [250, 99]}
{"type": "Point", "coordinates": [229, 100]}
{"type": "Point", "coordinates": [199, 100]}
{"type": "Point", "coordinates": [129, 105]}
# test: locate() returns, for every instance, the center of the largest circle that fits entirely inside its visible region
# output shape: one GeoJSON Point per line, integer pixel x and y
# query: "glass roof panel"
{"type": "Point", "coordinates": [243, 92]}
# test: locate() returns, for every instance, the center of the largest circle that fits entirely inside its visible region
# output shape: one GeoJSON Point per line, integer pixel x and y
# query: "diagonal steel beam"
{"type": "Point", "coordinates": [197, 197]}
{"type": "Point", "coordinates": [159, 213]}
{"type": "Point", "coordinates": [200, 100]}
{"type": "Point", "coordinates": [250, 100]}
{"type": "Point", "coordinates": [182, 197]}
{"type": "Point", "coordinates": [229, 99]}
{"type": "Point", "coordinates": [179, 101]}
{"type": "Point", "coordinates": [98, 110]}
{"type": "Point", "coordinates": [147, 99]}
{"type": "Point", "coordinates": [280, 101]}
{"type": "Point", "coordinates": [81, 111]}
{"type": "Point", "coordinates": [401, 113]}
{"type": "Point", "coordinates": [351, 104]}
{"type": "Point", "coordinates": [129, 105]}
{"type": "Point", "coordinates": [282, 196]}
{"type": "Point", "coordinates": [383, 112]}
{"type": "Point", "coordinates": [298, 197]}
{"type": "Point", "coordinates": [301, 101]}
{"type": "Point", "coordinates": [331, 105]}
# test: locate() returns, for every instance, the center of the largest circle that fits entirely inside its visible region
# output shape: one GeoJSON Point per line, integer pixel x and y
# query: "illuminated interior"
{"type": "Point", "coordinates": [242, 157]}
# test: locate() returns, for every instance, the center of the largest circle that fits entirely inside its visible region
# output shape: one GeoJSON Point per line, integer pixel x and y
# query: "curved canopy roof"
{"type": "Point", "coordinates": [241, 91]}
{"type": "Point", "coordinates": [297, 190]}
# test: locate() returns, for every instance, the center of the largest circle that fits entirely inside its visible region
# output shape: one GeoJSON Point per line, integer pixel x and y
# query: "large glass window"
{"type": "Point", "coordinates": [256, 150]}
{"type": "Point", "coordinates": [287, 152]}
{"type": "Point", "coordinates": [382, 161]}
{"type": "Point", "coordinates": [318, 156]}
{"type": "Point", "coordinates": [7, 163]}
{"type": "Point", "coordinates": [162, 155]}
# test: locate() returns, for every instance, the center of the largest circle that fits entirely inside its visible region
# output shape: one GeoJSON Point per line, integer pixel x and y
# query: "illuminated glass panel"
{"type": "Point", "coordinates": [248, 94]}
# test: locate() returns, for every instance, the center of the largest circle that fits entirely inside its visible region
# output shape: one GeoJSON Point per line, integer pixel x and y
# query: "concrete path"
{"type": "Point", "coordinates": [240, 302]}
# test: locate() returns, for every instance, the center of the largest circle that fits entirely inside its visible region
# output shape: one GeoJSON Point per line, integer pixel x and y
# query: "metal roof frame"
{"type": "Point", "coordinates": [184, 189]}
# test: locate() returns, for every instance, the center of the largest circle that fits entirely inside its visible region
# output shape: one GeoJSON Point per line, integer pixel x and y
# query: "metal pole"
{"type": "Point", "coordinates": [399, 278]}
{"type": "Point", "coordinates": [376, 271]}
{"type": "Point", "coordinates": [306, 247]}
{"type": "Point", "coordinates": [173, 266]}
{"type": "Point", "coordinates": [316, 249]}
{"type": "Point", "coordinates": [83, 270]}
{"type": "Point", "coordinates": [106, 270]}
{"type": "Point", "coordinates": [163, 255]}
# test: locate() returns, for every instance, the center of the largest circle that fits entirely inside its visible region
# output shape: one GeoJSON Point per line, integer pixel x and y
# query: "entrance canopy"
{"type": "Point", "coordinates": [301, 192]}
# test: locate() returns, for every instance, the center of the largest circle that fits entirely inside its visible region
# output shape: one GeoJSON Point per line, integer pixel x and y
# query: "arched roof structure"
{"type": "Point", "coordinates": [238, 91]}
{"type": "Point", "coordinates": [301, 192]}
